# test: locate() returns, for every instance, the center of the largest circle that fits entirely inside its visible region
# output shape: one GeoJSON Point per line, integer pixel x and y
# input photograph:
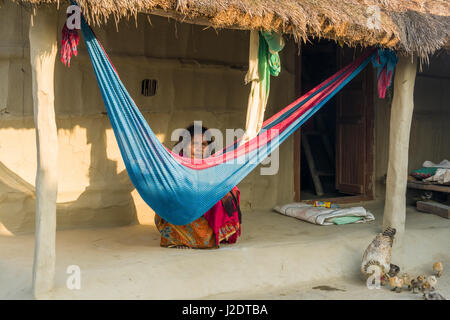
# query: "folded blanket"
{"type": "Point", "coordinates": [423, 173]}
{"type": "Point", "coordinates": [325, 216]}
{"type": "Point", "coordinates": [442, 176]}
{"type": "Point", "coordinates": [444, 164]}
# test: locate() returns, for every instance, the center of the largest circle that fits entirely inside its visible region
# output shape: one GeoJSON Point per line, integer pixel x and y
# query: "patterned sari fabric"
{"type": "Point", "coordinates": [197, 234]}
{"type": "Point", "coordinates": [220, 224]}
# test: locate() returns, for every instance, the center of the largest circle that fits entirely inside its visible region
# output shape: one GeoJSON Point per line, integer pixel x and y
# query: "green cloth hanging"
{"type": "Point", "coordinates": [275, 44]}
{"type": "Point", "coordinates": [264, 62]}
{"type": "Point", "coordinates": [270, 43]}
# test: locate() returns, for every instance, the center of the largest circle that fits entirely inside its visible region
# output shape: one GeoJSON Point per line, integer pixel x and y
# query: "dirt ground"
{"type": "Point", "coordinates": [341, 289]}
{"type": "Point", "coordinates": [277, 257]}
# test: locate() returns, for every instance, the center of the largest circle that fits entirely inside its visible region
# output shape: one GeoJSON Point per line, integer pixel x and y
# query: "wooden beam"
{"type": "Point", "coordinates": [400, 127]}
{"type": "Point", "coordinates": [201, 21]}
{"type": "Point", "coordinates": [428, 186]}
{"type": "Point", "coordinates": [434, 207]}
{"type": "Point", "coordinates": [43, 48]}
{"type": "Point", "coordinates": [433, 76]}
{"type": "Point", "coordinates": [341, 200]}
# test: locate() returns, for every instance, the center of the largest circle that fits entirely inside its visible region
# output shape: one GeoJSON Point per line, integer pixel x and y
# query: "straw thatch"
{"type": "Point", "coordinates": [413, 26]}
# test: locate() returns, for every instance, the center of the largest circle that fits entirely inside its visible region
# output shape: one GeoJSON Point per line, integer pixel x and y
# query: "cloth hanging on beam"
{"type": "Point", "coordinates": [179, 189]}
{"type": "Point", "coordinates": [385, 62]}
{"type": "Point", "coordinates": [264, 61]}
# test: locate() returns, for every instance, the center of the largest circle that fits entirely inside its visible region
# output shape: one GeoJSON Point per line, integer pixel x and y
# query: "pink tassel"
{"type": "Point", "coordinates": [69, 44]}
{"type": "Point", "coordinates": [385, 62]}
{"type": "Point", "coordinates": [384, 81]}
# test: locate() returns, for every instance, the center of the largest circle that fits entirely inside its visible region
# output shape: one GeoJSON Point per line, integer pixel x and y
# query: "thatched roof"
{"type": "Point", "coordinates": [414, 26]}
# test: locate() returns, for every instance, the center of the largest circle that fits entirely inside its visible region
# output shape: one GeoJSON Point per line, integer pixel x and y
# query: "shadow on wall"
{"type": "Point", "coordinates": [199, 76]}
{"type": "Point", "coordinates": [100, 204]}
{"type": "Point", "coordinates": [90, 209]}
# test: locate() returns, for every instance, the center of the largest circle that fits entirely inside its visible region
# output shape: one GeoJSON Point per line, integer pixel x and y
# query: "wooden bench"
{"type": "Point", "coordinates": [434, 207]}
{"type": "Point", "coordinates": [428, 186]}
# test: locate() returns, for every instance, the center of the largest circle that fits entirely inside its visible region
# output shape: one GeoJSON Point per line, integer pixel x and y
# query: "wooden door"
{"type": "Point", "coordinates": [354, 125]}
{"type": "Point", "coordinates": [297, 135]}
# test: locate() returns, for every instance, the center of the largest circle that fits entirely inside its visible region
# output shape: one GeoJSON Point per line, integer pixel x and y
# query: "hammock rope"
{"type": "Point", "coordinates": [176, 188]}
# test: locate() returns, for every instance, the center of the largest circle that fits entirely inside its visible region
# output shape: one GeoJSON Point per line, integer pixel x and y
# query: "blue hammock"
{"type": "Point", "coordinates": [176, 190]}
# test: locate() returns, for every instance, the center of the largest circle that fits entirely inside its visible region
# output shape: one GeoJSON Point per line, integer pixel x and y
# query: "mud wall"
{"type": "Point", "coordinates": [430, 130]}
{"type": "Point", "coordinates": [200, 77]}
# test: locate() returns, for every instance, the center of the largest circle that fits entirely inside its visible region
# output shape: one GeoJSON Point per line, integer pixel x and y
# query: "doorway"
{"type": "Point", "coordinates": [334, 149]}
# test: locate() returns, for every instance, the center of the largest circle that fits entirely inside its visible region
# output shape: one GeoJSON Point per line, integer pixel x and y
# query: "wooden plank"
{"type": "Point", "coordinates": [297, 163]}
{"type": "Point", "coordinates": [437, 208]}
{"type": "Point", "coordinates": [430, 187]}
{"type": "Point", "coordinates": [351, 131]}
{"type": "Point", "coordinates": [341, 200]}
{"type": "Point", "coordinates": [325, 140]}
{"type": "Point", "coordinates": [325, 173]}
{"type": "Point", "coordinates": [312, 165]}
{"type": "Point", "coordinates": [297, 135]}
{"type": "Point", "coordinates": [433, 76]}
{"type": "Point", "coordinates": [370, 134]}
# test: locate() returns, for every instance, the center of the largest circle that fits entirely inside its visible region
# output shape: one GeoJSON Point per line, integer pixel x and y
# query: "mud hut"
{"type": "Point", "coordinates": [80, 179]}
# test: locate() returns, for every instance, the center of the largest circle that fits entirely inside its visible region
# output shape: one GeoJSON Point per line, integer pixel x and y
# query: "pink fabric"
{"type": "Point", "coordinates": [69, 44]}
{"type": "Point", "coordinates": [384, 81]}
{"type": "Point", "coordinates": [222, 224]}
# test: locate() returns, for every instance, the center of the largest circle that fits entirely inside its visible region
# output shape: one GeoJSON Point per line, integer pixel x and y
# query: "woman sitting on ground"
{"type": "Point", "coordinates": [220, 224]}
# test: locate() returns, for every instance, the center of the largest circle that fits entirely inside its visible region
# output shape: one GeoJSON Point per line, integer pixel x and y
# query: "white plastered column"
{"type": "Point", "coordinates": [43, 48]}
{"type": "Point", "coordinates": [400, 129]}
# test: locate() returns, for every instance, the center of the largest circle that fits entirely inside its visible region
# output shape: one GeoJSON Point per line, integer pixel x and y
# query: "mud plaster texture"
{"type": "Point", "coordinates": [200, 76]}
{"type": "Point", "coordinates": [276, 254]}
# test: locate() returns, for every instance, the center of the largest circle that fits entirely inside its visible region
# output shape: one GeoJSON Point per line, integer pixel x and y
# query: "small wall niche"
{"type": "Point", "coordinates": [149, 87]}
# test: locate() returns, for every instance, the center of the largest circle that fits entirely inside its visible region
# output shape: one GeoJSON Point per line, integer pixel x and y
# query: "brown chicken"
{"type": "Point", "coordinates": [396, 284]}
{"type": "Point", "coordinates": [417, 283]}
{"type": "Point", "coordinates": [438, 268]}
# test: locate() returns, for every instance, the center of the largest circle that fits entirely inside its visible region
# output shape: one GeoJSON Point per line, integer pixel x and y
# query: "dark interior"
{"type": "Point", "coordinates": [319, 61]}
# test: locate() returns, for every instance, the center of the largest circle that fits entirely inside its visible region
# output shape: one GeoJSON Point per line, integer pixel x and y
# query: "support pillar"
{"type": "Point", "coordinates": [43, 48]}
{"type": "Point", "coordinates": [400, 129]}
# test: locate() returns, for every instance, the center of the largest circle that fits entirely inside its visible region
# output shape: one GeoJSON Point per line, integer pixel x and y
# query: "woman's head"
{"type": "Point", "coordinates": [196, 146]}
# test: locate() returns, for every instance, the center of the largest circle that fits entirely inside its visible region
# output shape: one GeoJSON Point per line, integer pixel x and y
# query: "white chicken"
{"type": "Point", "coordinates": [432, 281]}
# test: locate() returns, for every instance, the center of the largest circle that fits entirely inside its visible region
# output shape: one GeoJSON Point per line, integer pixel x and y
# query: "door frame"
{"type": "Point", "coordinates": [297, 134]}
{"type": "Point", "coordinates": [370, 141]}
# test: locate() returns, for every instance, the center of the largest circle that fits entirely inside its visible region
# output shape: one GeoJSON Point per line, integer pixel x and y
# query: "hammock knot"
{"type": "Point", "coordinates": [384, 61]}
